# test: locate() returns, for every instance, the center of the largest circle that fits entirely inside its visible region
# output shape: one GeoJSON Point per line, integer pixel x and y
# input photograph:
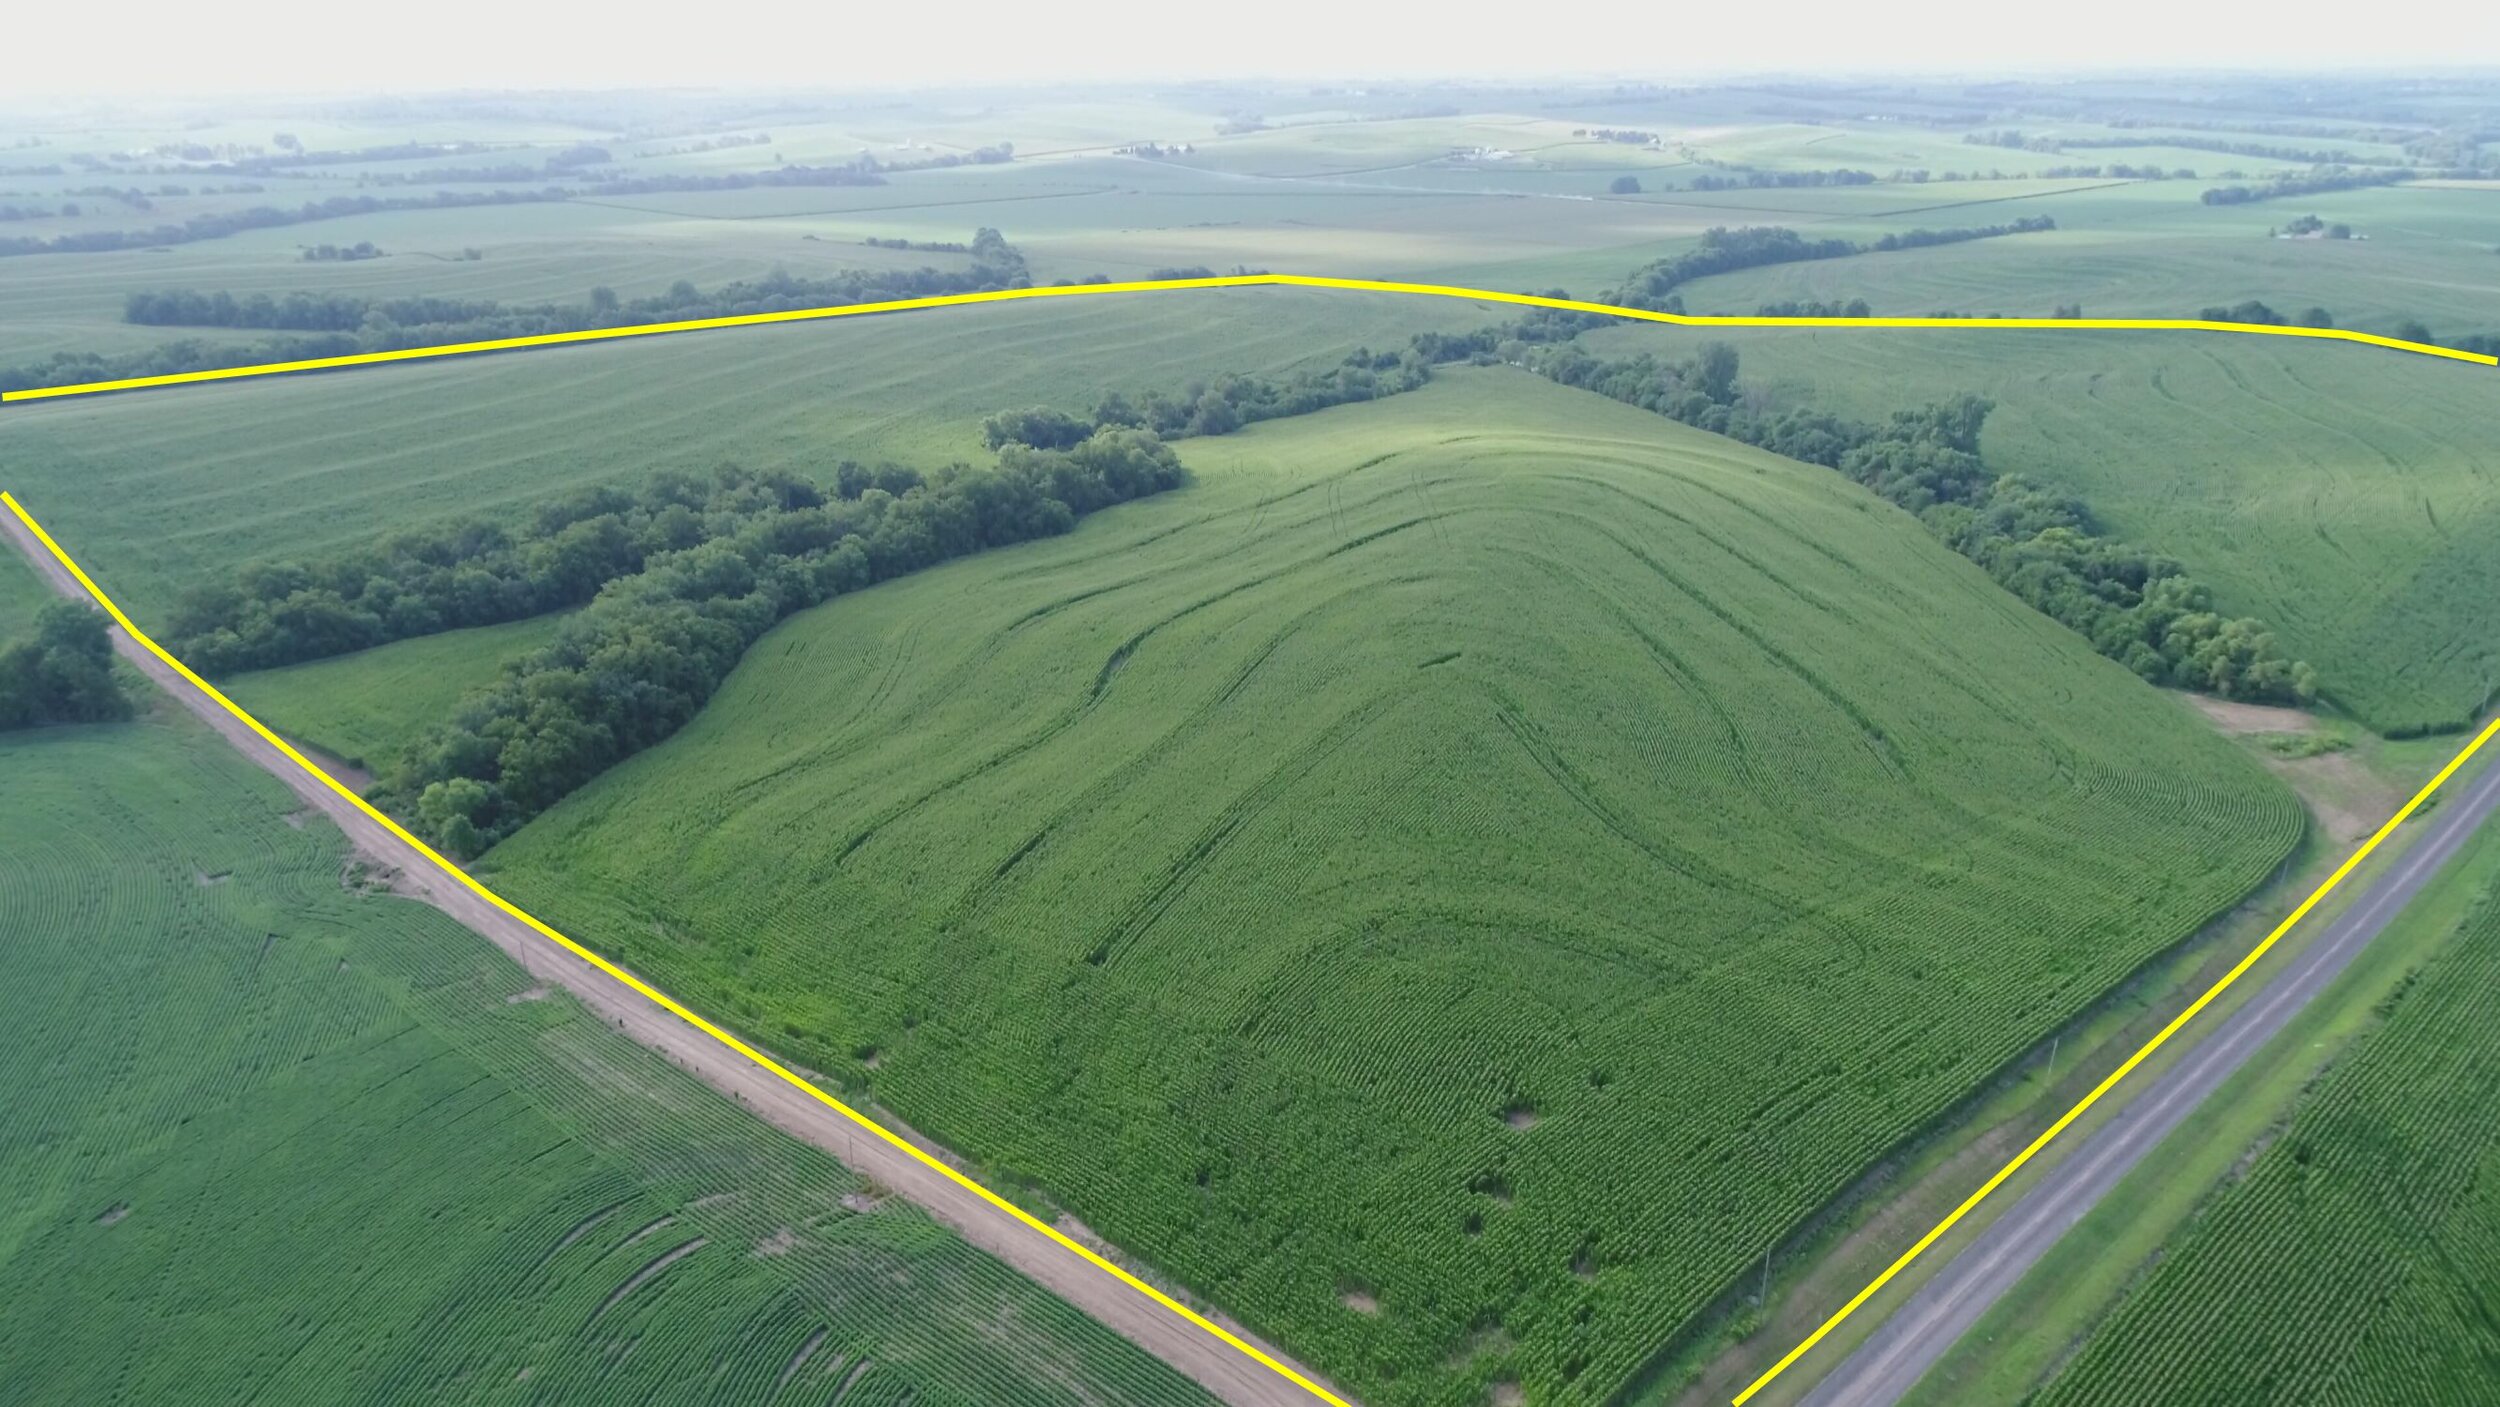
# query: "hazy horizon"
{"type": "Point", "coordinates": [177, 51]}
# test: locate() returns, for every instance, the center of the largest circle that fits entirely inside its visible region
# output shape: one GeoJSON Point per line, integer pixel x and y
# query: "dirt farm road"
{"type": "Point", "coordinates": [1223, 1370]}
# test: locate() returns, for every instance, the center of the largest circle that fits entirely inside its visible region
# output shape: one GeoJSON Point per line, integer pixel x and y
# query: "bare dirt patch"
{"type": "Point", "coordinates": [2233, 717]}
{"type": "Point", "coordinates": [204, 879]}
{"type": "Point", "coordinates": [1360, 1301]}
{"type": "Point", "coordinates": [1520, 1116]}
{"type": "Point", "coordinates": [780, 1243]}
{"type": "Point", "coordinates": [2349, 800]}
{"type": "Point", "coordinates": [113, 1214]}
{"type": "Point", "coordinates": [1506, 1393]}
{"type": "Point", "coordinates": [536, 992]}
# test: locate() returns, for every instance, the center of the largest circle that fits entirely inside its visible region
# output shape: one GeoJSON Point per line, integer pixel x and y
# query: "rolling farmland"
{"type": "Point", "coordinates": [2349, 499]}
{"type": "Point", "coordinates": [1461, 887]}
{"type": "Point", "coordinates": [274, 1137]}
{"type": "Point", "coordinates": [159, 491]}
{"type": "Point", "coordinates": [2351, 1258]}
{"type": "Point", "coordinates": [1334, 882]}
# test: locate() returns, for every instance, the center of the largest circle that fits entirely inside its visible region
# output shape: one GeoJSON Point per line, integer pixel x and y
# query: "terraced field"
{"type": "Point", "coordinates": [271, 1138]}
{"type": "Point", "coordinates": [2354, 1259]}
{"type": "Point", "coordinates": [2348, 497]}
{"type": "Point", "coordinates": [1453, 887]}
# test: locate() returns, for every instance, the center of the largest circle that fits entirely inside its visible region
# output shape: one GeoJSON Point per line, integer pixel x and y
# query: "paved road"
{"type": "Point", "coordinates": [1887, 1366]}
{"type": "Point", "coordinates": [1221, 1369]}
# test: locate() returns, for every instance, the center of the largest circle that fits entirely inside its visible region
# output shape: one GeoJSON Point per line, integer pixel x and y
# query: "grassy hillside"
{"type": "Point", "coordinates": [274, 1139]}
{"type": "Point", "coordinates": [2348, 497]}
{"type": "Point", "coordinates": [366, 706]}
{"type": "Point", "coordinates": [161, 489]}
{"type": "Point", "coordinates": [1453, 887]}
{"type": "Point", "coordinates": [2354, 1258]}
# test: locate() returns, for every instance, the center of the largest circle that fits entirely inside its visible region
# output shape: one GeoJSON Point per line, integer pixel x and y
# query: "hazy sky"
{"type": "Point", "coordinates": [187, 46]}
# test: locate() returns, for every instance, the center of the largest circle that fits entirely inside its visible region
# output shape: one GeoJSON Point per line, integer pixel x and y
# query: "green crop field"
{"type": "Point", "coordinates": [156, 490]}
{"type": "Point", "coordinates": [272, 1138]}
{"type": "Point", "coordinates": [365, 707]}
{"type": "Point", "coordinates": [1452, 887]}
{"type": "Point", "coordinates": [2349, 497]}
{"type": "Point", "coordinates": [2353, 1259]}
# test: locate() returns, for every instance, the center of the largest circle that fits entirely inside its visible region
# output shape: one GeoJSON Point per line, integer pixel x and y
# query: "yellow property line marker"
{"type": "Point", "coordinates": [1087, 290]}
{"type": "Point", "coordinates": [664, 1000]}
{"type": "Point", "coordinates": [2142, 1054]}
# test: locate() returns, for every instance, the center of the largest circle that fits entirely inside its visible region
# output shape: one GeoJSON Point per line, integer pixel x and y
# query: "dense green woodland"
{"type": "Point", "coordinates": [64, 674]}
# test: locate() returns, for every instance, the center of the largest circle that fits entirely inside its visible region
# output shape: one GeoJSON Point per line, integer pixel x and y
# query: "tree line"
{"type": "Point", "coordinates": [63, 674]}
{"type": "Point", "coordinates": [220, 224]}
{"type": "Point", "coordinates": [1723, 250]}
{"type": "Point", "coordinates": [2315, 182]}
{"type": "Point", "coordinates": [680, 578]}
{"type": "Point", "coordinates": [1753, 179]}
{"type": "Point", "coordinates": [1219, 406]}
{"type": "Point", "coordinates": [2135, 606]}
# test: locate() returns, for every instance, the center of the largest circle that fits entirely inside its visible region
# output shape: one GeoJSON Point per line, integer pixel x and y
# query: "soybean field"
{"type": "Point", "coordinates": [274, 1136]}
{"type": "Point", "coordinates": [1455, 886]}
{"type": "Point", "coordinates": [2352, 1261]}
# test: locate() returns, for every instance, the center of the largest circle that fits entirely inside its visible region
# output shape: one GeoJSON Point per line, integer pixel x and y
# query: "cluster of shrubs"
{"type": "Point", "coordinates": [2136, 607]}
{"type": "Point", "coordinates": [64, 674]}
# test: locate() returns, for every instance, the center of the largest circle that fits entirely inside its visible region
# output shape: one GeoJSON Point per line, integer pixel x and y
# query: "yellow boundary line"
{"type": "Point", "coordinates": [1087, 290]}
{"type": "Point", "coordinates": [1247, 281]}
{"type": "Point", "coordinates": [667, 1002]}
